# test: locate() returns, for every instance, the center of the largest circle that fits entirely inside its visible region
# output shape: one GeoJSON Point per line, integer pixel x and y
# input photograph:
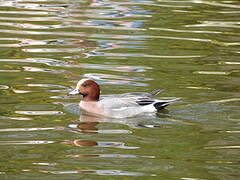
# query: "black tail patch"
{"type": "Point", "coordinates": [160, 105]}
{"type": "Point", "coordinates": [144, 102]}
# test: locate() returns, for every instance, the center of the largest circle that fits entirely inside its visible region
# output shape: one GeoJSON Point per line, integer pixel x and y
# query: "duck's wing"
{"type": "Point", "coordinates": [128, 101]}
{"type": "Point", "coordinates": [141, 98]}
{"type": "Point", "coordinates": [133, 94]}
{"type": "Point", "coordinates": [117, 102]}
{"type": "Point", "coordinates": [134, 99]}
{"type": "Point", "coordinates": [141, 94]}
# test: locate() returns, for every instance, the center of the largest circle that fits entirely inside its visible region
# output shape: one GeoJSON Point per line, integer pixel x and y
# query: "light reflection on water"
{"type": "Point", "coordinates": [3, 87]}
{"type": "Point", "coordinates": [77, 143]}
{"type": "Point", "coordinates": [190, 48]}
{"type": "Point", "coordinates": [108, 156]}
{"type": "Point", "coordinates": [39, 112]}
{"type": "Point", "coordinates": [98, 172]}
{"type": "Point", "coordinates": [57, 63]}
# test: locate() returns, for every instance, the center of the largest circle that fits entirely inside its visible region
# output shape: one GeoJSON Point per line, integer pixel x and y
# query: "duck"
{"type": "Point", "coordinates": [117, 105]}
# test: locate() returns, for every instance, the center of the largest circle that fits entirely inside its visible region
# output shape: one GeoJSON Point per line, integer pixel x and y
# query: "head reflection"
{"type": "Point", "coordinates": [81, 143]}
{"type": "Point", "coordinates": [90, 143]}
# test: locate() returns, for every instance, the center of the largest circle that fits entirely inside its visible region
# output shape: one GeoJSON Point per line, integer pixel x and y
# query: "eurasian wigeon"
{"type": "Point", "coordinates": [118, 105]}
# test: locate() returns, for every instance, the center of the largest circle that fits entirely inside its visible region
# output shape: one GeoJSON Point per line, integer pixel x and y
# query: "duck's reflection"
{"type": "Point", "coordinates": [81, 143]}
{"type": "Point", "coordinates": [133, 122]}
{"type": "Point", "coordinates": [85, 127]}
{"type": "Point", "coordinates": [87, 123]}
{"type": "Point", "coordinates": [90, 143]}
{"type": "Point", "coordinates": [97, 172]}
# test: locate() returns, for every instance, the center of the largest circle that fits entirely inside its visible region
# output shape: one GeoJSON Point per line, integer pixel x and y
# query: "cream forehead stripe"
{"type": "Point", "coordinates": [80, 83]}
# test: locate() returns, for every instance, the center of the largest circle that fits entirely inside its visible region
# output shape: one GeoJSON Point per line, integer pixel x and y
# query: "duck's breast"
{"type": "Point", "coordinates": [92, 107]}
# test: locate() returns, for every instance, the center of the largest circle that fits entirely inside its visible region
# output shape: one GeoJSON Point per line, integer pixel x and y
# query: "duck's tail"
{"type": "Point", "coordinates": [155, 92]}
{"type": "Point", "coordinates": [159, 105]}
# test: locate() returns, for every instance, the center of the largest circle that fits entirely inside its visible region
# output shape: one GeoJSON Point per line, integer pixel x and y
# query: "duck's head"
{"type": "Point", "coordinates": [89, 89]}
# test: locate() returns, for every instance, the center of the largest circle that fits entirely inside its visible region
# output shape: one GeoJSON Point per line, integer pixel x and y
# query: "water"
{"type": "Point", "coordinates": [189, 48]}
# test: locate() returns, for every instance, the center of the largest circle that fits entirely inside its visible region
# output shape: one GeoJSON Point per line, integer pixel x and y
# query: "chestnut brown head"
{"type": "Point", "coordinates": [89, 89]}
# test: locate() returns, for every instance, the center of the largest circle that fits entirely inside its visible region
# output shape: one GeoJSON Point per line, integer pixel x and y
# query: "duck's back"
{"type": "Point", "coordinates": [132, 104]}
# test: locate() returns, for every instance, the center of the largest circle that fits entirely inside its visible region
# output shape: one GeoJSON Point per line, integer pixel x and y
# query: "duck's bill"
{"type": "Point", "coordinates": [74, 92]}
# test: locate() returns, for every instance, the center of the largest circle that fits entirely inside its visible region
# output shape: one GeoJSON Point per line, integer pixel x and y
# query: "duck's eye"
{"type": "Point", "coordinates": [85, 85]}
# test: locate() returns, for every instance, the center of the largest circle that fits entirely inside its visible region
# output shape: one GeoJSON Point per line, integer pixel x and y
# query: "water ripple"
{"type": "Point", "coordinates": [187, 31]}
{"type": "Point", "coordinates": [40, 112]}
{"type": "Point", "coordinates": [45, 164]}
{"type": "Point", "coordinates": [33, 6]}
{"type": "Point", "coordinates": [216, 24]}
{"type": "Point", "coordinates": [99, 76]}
{"type": "Point", "coordinates": [25, 12]}
{"type": "Point", "coordinates": [109, 156]}
{"type": "Point", "coordinates": [52, 50]}
{"type": "Point", "coordinates": [97, 172]}
{"type": "Point", "coordinates": [225, 100]}
{"type": "Point", "coordinates": [58, 63]}
{"type": "Point", "coordinates": [51, 42]}
{"type": "Point", "coordinates": [213, 72]}
{"type": "Point", "coordinates": [142, 55]}
{"type": "Point", "coordinates": [37, 69]}
{"type": "Point", "coordinates": [46, 85]}
{"type": "Point", "coordinates": [40, 19]}
{"type": "Point", "coordinates": [33, 26]}
{"type": "Point", "coordinates": [26, 129]}
{"type": "Point", "coordinates": [110, 13]}
{"type": "Point", "coordinates": [9, 70]}
{"type": "Point", "coordinates": [88, 143]}
{"type": "Point", "coordinates": [40, 33]}
{"type": "Point", "coordinates": [20, 91]}
{"type": "Point", "coordinates": [230, 63]}
{"type": "Point", "coordinates": [102, 131]}
{"type": "Point", "coordinates": [223, 147]}
{"type": "Point", "coordinates": [211, 3]}
{"type": "Point", "coordinates": [3, 87]}
{"type": "Point", "coordinates": [25, 142]}
{"type": "Point", "coordinates": [16, 118]}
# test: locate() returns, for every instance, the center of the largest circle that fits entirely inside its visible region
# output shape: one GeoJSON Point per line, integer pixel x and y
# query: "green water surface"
{"type": "Point", "coordinates": [189, 48]}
